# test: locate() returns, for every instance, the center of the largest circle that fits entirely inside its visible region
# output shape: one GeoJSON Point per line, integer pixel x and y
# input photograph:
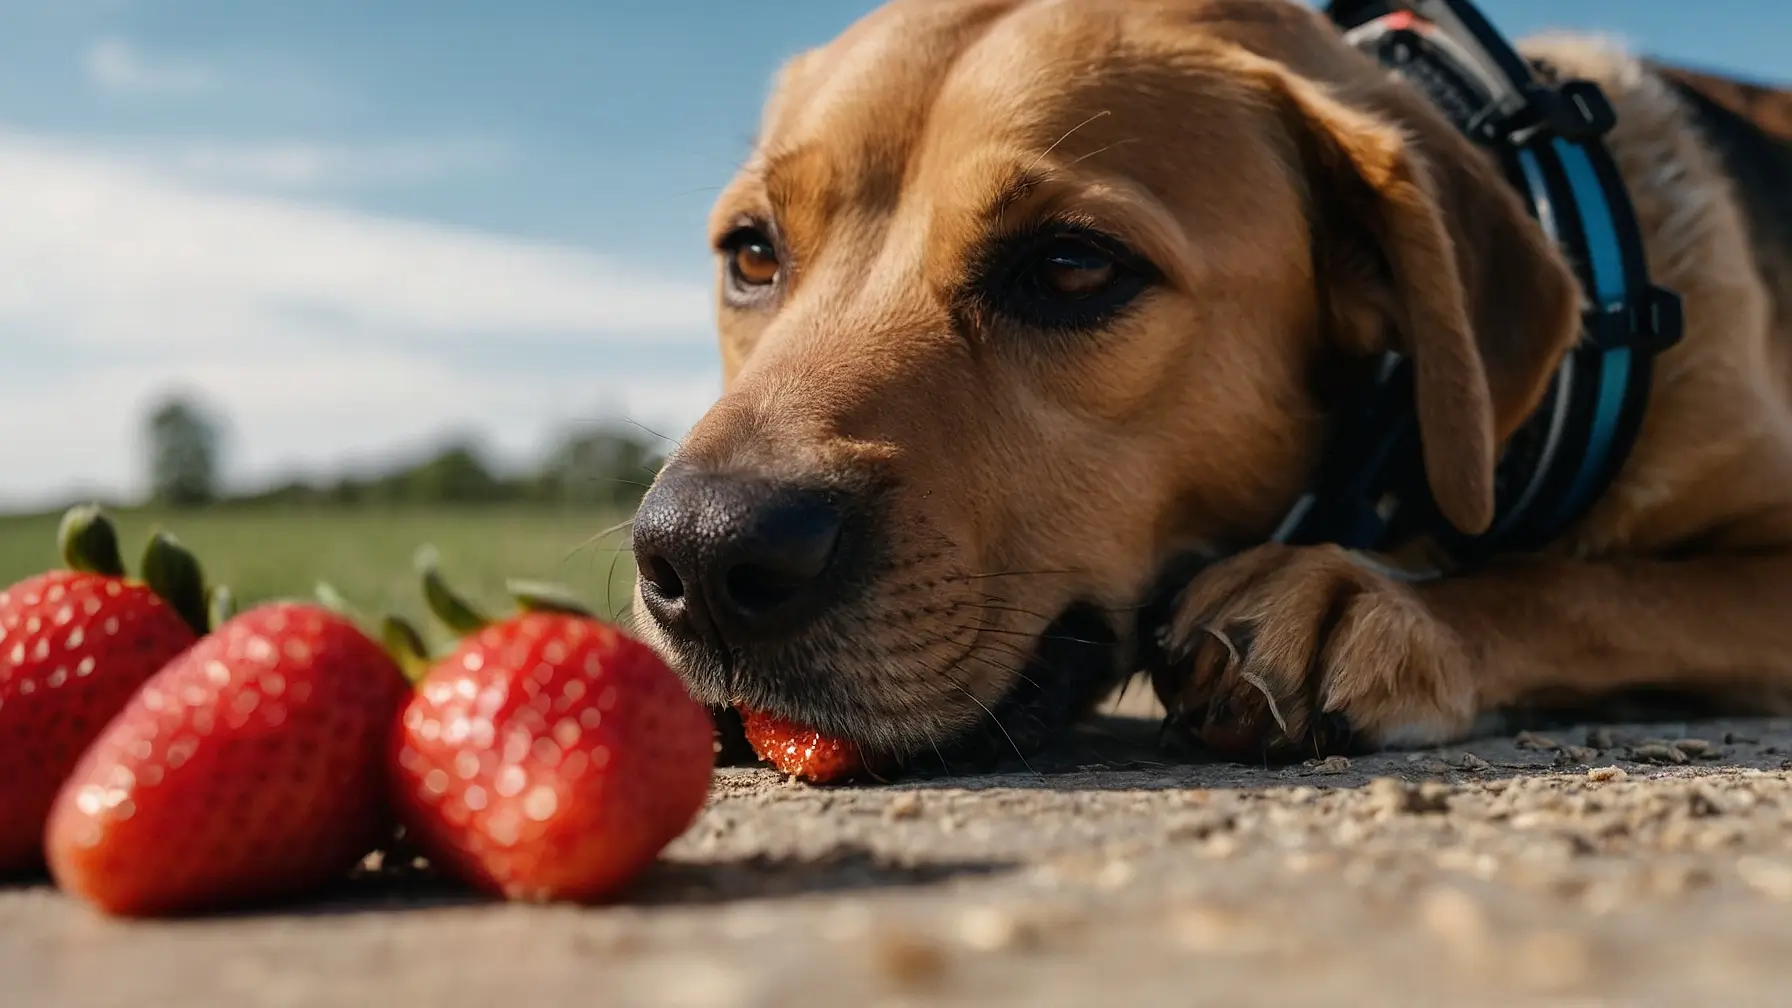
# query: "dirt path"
{"type": "Point", "coordinates": [1615, 868]}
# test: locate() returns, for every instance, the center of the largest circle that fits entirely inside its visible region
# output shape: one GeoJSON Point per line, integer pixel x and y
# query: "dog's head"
{"type": "Point", "coordinates": [1021, 301]}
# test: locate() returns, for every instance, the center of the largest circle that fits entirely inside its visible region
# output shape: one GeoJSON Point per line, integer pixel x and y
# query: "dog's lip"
{"type": "Point", "coordinates": [1069, 665]}
{"type": "Point", "coordinates": [1073, 662]}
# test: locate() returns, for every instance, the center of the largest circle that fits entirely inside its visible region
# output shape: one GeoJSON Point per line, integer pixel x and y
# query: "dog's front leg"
{"type": "Point", "coordinates": [1291, 651]}
{"type": "Point", "coordinates": [1302, 651]}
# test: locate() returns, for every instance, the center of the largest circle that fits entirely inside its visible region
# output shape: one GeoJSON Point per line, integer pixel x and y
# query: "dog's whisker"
{"type": "Point", "coordinates": [1016, 671]}
{"type": "Point", "coordinates": [996, 601]}
{"type": "Point", "coordinates": [620, 548]}
{"type": "Point", "coordinates": [946, 673]}
{"type": "Point", "coordinates": [1100, 150]}
{"type": "Point", "coordinates": [1067, 135]}
{"type": "Point", "coordinates": [1017, 610]}
{"type": "Point", "coordinates": [976, 647]}
{"type": "Point", "coordinates": [999, 727]}
{"type": "Point", "coordinates": [1004, 605]}
{"type": "Point", "coordinates": [928, 731]}
{"type": "Point", "coordinates": [643, 427]}
{"type": "Point", "coordinates": [1030, 636]}
{"type": "Point", "coordinates": [595, 538]}
{"type": "Point", "coordinates": [610, 582]}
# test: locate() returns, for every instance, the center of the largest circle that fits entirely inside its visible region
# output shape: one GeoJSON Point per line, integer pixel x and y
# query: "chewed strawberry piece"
{"type": "Point", "coordinates": [804, 752]}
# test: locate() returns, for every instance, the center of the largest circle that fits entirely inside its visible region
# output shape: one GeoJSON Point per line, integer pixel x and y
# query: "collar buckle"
{"type": "Point", "coordinates": [1652, 321]}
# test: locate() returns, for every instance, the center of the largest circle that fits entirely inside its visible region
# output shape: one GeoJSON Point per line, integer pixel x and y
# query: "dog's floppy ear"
{"type": "Point", "coordinates": [1433, 252]}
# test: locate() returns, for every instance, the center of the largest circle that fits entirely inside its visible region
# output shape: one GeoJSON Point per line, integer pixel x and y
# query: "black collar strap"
{"type": "Point", "coordinates": [1371, 492]}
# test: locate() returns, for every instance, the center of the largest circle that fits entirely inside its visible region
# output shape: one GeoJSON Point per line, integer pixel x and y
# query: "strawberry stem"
{"type": "Point", "coordinates": [338, 603]}
{"type": "Point", "coordinates": [398, 638]}
{"type": "Point", "coordinates": [455, 612]}
{"type": "Point", "coordinates": [172, 571]}
{"type": "Point", "coordinates": [220, 605]}
{"type": "Point", "coordinates": [540, 596]}
{"type": "Point", "coordinates": [88, 542]}
{"type": "Point", "coordinates": [405, 645]}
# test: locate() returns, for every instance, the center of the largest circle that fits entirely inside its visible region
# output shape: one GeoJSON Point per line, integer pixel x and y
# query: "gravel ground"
{"type": "Point", "coordinates": [1631, 865]}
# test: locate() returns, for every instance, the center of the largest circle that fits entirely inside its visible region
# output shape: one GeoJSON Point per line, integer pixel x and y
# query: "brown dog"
{"type": "Point", "coordinates": [1024, 302]}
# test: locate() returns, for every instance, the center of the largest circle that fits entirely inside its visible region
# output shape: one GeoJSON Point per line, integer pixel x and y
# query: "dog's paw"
{"type": "Point", "coordinates": [1285, 652]}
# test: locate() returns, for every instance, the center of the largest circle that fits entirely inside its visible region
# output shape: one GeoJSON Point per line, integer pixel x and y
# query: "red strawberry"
{"type": "Point", "coordinates": [74, 645]}
{"type": "Point", "coordinates": [801, 751]}
{"type": "Point", "coordinates": [549, 757]}
{"type": "Point", "coordinates": [249, 768]}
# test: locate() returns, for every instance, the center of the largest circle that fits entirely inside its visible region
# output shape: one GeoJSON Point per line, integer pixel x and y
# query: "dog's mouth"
{"type": "Point", "coordinates": [1075, 662]}
{"type": "Point", "coordinates": [1072, 665]}
{"type": "Point", "coordinates": [1078, 661]}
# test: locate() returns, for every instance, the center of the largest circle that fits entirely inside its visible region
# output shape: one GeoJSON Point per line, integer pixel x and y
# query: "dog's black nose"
{"type": "Point", "coordinates": [729, 560]}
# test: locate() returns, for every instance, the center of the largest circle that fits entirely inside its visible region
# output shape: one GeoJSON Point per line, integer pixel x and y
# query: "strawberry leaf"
{"type": "Point", "coordinates": [172, 571]}
{"type": "Point", "coordinates": [88, 542]}
{"type": "Point", "coordinates": [406, 646]}
{"type": "Point", "coordinates": [540, 596]}
{"type": "Point", "coordinates": [455, 612]}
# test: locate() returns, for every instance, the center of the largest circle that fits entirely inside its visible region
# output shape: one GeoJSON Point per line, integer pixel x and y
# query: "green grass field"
{"type": "Point", "coordinates": [366, 553]}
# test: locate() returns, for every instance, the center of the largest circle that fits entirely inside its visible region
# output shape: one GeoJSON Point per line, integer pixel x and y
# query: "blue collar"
{"type": "Point", "coordinates": [1548, 138]}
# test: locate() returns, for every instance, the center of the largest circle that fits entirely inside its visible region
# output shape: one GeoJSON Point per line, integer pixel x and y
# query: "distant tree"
{"type": "Point", "coordinates": [455, 475]}
{"type": "Point", "coordinates": [183, 454]}
{"type": "Point", "coordinates": [603, 466]}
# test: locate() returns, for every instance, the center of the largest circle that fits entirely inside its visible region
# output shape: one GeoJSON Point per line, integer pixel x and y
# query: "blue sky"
{"type": "Point", "coordinates": [353, 226]}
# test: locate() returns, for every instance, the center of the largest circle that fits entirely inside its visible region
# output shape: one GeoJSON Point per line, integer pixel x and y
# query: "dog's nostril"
{"type": "Point", "coordinates": [756, 589]}
{"type": "Point", "coordinates": [664, 579]}
{"type": "Point", "coordinates": [722, 558]}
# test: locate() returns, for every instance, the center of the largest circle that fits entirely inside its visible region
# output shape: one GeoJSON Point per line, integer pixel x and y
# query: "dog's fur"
{"type": "Point", "coordinates": [1303, 211]}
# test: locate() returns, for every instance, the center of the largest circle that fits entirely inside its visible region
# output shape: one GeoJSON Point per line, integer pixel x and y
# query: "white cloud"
{"type": "Point", "coordinates": [117, 66]}
{"type": "Point", "coordinates": [324, 335]}
{"type": "Point", "coordinates": [306, 165]}
{"type": "Point", "coordinates": [94, 250]}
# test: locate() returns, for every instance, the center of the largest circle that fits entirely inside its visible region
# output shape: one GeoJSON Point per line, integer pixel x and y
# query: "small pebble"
{"type": "Point", "coordinates": [991, 929]}
{"type": "Point", "coordinates": [1470, 762]}
{"type": "Point", "coordinates": [1701, 803]}
{"type": "Point", "coordinates": [908, 961]}
{"type": "Point", "coordinates": [1772, 879]}
{"type": "Point", "coordinates": [1458, 921]}
{"type": "Point", "coordinates": [1553, 961]}
{"type": "Point", "coordinates": [1397, 797]}
{"type": "Point", "coordinates": [1606, 774]}
{"type": "Point", "coordinates": [1211, 928]}
{"type": "Point", "coordinates": [906, 805]}
{"type": "Point", "coordinates": [1654, 752]}
{"type": "Point", "coordinates": [1114, 875]}
{"type": "Point", "coordinates": [1331, 765]}
{"type": "Point", "coordinates": [986, 929]}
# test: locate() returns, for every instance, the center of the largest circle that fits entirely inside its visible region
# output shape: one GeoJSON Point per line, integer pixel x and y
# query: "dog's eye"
{"type": "Point", "coordinates": [1076, 269]}
{"type": "Point", "coordinates": [1065, 279]}
{"type": "Point", "coordinates": [752, 258]}
{"type": "Point", "coordinates": [756, 262]}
